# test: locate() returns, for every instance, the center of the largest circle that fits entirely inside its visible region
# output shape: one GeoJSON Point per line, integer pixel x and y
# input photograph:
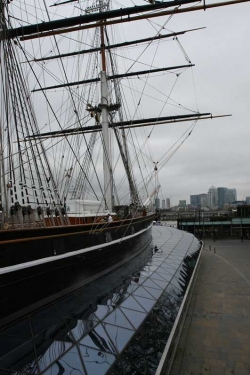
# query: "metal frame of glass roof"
{"type": "Point", "coordinates": [117, 324]}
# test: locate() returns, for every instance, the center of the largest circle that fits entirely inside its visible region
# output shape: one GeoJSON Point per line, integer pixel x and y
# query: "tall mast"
{"type": "Point", "coordinates": [107, 164]}
{"type": "Point", "coordinates": [4, 206]}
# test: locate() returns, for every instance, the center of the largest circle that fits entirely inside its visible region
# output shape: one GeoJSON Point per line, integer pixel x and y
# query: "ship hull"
{"type": "Point", "coordinates": [62, 261]}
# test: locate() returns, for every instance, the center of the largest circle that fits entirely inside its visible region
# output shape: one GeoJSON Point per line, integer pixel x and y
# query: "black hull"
{"type": "Point", "coordinates": [88, 260]}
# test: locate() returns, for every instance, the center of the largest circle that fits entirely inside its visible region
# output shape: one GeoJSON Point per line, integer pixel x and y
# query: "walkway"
{"type": "Point", "coordinates": [216, 335]}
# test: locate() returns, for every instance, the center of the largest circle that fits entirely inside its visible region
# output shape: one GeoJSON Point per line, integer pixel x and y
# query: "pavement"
{"type": "Point", "coordinates": [216, 335]}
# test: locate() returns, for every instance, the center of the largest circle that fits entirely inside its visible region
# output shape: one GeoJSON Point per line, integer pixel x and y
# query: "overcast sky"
{"type": "Point", "coordinates": [218, 151]}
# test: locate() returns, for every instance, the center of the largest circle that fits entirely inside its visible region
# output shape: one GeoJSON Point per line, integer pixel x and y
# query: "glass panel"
{"type": "Point", "coordinates": [154, 292]}
{"type": "Point", "coordinates": [21, 328]}
{"type": "Point", "coordinates": [44, 318]}
{"type": "Point", "coordinates": [157, 276]}
{"type": "Point", "coordinates": [162, 284]}
{"type": "Point", "coordinates": [96, 362]}
{"type": "Point", "coordinates": [141, 292]}
{"type": "Point", "coordinates": [150, 283]}
{"type": "Point", "coordinates": [103, 311]}
{"type": "Point", "coordinates": [87, 292]}
{"type": "Point", "coordinates": [135, 317]}
{"type": "Point", "coordinates": [132, 304]}
{"type": "Point", "coordinates": [98, 339]}
{"type": "Point", "coordinates": [15, 355]}
{"type": "Point", "coordinates": [146, 303]}
{"type": "Point", "coordinates": [167, 276]}
{"type": "Point", "coordinates": [9, 343]}
{"type": "Point", "coordinates": [117, 318]}
{"type": "Point", "coordinates": [119, 336]}
{"type": "Point", "coordinates": [70, 363]}
{"type": "Point", "coordinates": [82, 327]}
{"type": "Point", "coordinates": [52, 351]}
{"type": "Point", "coordinates": [132, 287]}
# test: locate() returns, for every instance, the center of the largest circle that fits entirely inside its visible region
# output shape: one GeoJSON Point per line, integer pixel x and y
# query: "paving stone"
{"type": "Point", "coordinates": [216, 338]}
{"type": "Point", "coordinates": [216, 370]}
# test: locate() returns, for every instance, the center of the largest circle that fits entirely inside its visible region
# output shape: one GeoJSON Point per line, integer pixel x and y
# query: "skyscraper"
{"type": "Point", "coordinates": [222, 196]}
{"type": "Point", "coordinates": [182, 203]}
{"type": "Point", "coordinates": [157, 203]}
{"type": "Point", "coordinates": [202, 200]}
{"type": "Point", "coordinates": [194, 200]}
{"type": "Point", "coordinates": [212, 197]}
{"type": "Point", "coordinates": [163, 204]}
{"type": "Point", "coordinates": [231, 196]}
{"type": "Point", "coordinates": [167, 203]}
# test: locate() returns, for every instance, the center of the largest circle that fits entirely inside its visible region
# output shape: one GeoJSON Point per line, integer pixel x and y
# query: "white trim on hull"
{"type": "Point", "coordinates": [33, 263]}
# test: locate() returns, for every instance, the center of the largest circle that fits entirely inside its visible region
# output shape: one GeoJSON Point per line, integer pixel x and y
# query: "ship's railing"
{"type": "Point", "coordinates": [167, 359]}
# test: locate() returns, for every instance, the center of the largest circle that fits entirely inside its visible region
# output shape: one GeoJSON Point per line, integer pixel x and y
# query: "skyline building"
{"type": "Point", "coordinates": [231, 196]}
{"type": "Point", "coordinates": [247, 200]}
{"type": "Point", "coordinates": [182, 203]}
{"type": "Point", "coordinates": [222, 196]}
{"type": "Point", "coordinates": [163, 204]}
{"type": "Point", "coordinates": [215, 198]}
{"type": "Point", "coordinates": [157, 203]}
{"type": "Point", "coordinates": [167, 203]}
{"type": "Point", "coordinates": [203, 200]}
{"type": "Point", "coordinates": [194, 200]}
{"type": "Point", "coordinates": [212, 199]}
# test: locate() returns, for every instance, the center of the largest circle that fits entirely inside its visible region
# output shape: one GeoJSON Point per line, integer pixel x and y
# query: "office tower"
{"type": "Point", "coordinates": [222, 196]}
{"type": "Point", "coordinates": [163, 206]}
{"type": "Point", "coordinates": [182, 203]}
{"type": "Point", "coordinates": [247, 200]}
{"type": "Point", "coordinates": [167, 203]}
{"type": "Point", "coordinates": [157, 203]}
{"type": "Point", "coordinates": [231, 196]}
{"type": "Point", "coordinates": [194, 200]}
{"type": "Point", "coordinates": [202, 200]}
{"type": "Point", "coordinates": [212, 197]}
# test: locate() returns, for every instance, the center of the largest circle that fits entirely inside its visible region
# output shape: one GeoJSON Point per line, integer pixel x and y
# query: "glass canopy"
{"type": "Point", "coordinates": [118, 324]}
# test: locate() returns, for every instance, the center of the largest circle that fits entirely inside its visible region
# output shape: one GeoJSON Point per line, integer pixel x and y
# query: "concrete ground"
{"type": "Point", "coordinates": [216, 335]}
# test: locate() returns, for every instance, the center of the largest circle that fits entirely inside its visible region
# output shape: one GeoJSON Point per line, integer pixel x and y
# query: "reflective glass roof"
{"type": "Point", "coordinates": [118, 324]}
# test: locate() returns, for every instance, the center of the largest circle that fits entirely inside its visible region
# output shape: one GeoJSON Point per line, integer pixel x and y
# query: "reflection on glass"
{"type": "Point", "coordinates": [119, 336]}
{"type": "Point", "coordinates": [98, 339]}
{"type": "Point", "coordinates": [117, 318]}
{"type": "Point", "coordinates": [135, 317]}
{"type": "Point", "coordinates": [96, 362]}
{"type": "Point", "coordinates": [121, 320]}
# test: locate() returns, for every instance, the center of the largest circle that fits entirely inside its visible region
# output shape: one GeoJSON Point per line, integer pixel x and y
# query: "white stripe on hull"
{"type": "Point", "coordinates": [33, 263]}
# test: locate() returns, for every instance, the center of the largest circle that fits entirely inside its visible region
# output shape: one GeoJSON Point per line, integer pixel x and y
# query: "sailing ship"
{"type": "Point", "coordinates": [63, 109]}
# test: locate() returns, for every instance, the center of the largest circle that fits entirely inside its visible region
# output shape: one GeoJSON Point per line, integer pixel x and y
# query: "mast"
{"type": "Point", "coordinates": [4, 206]}
{"type": "Point", "coordinates": [107, 164]}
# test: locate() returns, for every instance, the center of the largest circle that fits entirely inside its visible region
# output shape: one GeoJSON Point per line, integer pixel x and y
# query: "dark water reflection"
{"type": "Point", "coordinates": [118, 324]}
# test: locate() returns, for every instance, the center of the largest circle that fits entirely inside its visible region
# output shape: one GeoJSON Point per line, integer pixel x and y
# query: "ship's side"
{"type": "Point", "coordinates": [73, 254]}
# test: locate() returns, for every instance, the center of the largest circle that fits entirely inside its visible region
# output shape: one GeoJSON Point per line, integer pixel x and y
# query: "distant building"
{"type": "Point", "coordinates": [202, 200]}
{"type": "Point", "coordinates": [247, 200]}
{"type": "Point", "coordinates": [226, 196]}
{"type": "Point", "coordinates": [209, 199]}
{"type": "Point", "coordinates": [231, 196]}
{"type": "Point", "coordinates": [212, 197]}
{"type": "Point", "coordinates": [182, 203]}
{"type": "Point", "coordinates": [194, 200]}
{"type": "Point", "coordinates": [157, 203]}
{"type": "Point", "coordinates": [163, 206]}
{"type": "Point", "coordinates": [167, 203]}
{"type": "Point", "coordinates": [222, 196]}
